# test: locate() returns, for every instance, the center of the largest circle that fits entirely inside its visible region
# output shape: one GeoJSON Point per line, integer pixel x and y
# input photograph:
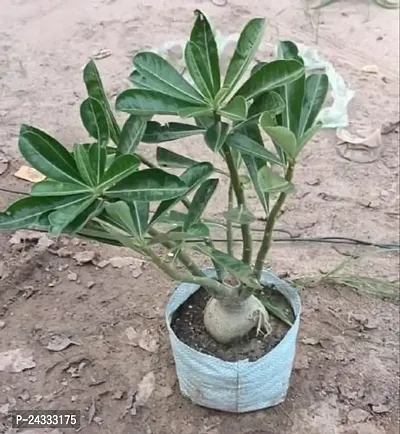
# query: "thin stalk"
{"type": "Point", "coordinates": [216, 289]}
{"type": "Point", "coordinates": [183, 257]}
{"type": "Point", "coordinates": [229, 229]}
{"type": "Point", "coordinates": [269, 227]}
{"type": "Point", "coordinates": [241, 201]}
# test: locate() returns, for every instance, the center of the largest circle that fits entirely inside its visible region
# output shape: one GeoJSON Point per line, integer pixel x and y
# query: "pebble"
{"type": "Point", "coordinates": [357, 415]}
{"type": "Point", "coordinates": [2, 324]}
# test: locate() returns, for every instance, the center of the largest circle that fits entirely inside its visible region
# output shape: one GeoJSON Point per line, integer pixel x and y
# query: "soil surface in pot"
{"type": "Point", "coordinates": [188, 325]}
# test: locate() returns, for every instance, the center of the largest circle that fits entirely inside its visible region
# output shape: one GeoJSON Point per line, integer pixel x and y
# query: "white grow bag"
{"type": "Point", "coordinates": [240, 386]}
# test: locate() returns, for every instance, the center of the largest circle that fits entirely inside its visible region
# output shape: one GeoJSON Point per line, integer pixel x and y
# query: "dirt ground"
{"type": "Point", "coordinates": [109, 311]}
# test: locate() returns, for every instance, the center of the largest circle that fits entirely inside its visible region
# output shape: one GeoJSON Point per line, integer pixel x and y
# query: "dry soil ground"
{"type": "Point", "coordinates": [345, 379]}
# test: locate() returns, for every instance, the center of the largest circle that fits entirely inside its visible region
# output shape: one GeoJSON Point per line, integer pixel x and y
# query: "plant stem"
{"type": "Point", "coordinates": [183, 257]}
{"type": "Point", "coordinates": [241, 202]}
{"type": "Point", "coordinates": [216, 289]}
{"type": "Point", "coordinates": [229, 230]}
{"type": "Point", "coordinates": [272, 217]}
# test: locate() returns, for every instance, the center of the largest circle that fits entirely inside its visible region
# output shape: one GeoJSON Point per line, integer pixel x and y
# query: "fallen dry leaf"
{"type": "Point", "coordinates": [92, 412]}
{"type": "Point", "coordinates": [84, 257]}
{"type": "Point", "coordinates": [370, 69]}
{"type": "Point", "coordinates": [310, 341]}
{"type": "Point", "coordinates": [60, 343]}
{"type": "Point", "coordinates": [16, 360]}
{"type": "Point", "coordinates": [359, 149]}
{"type": "Point", "coordinates": [132, 335]}
{"type": "Point", "coordinates": [145, 389]}
{"type": "Point", "coordinates": [102, 54]}
{"type": "Point", "coordinates": [148, 342]}
{"type": "Point", "coordinates": [29, 174]}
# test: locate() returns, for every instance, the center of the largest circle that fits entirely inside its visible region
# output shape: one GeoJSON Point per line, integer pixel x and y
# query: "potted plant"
{"type": "Point", "coordinates": [102, 191]}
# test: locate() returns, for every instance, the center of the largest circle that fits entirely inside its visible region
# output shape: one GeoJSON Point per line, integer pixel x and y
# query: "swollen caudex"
{"type": "Point", "coordinates": [226, 321]}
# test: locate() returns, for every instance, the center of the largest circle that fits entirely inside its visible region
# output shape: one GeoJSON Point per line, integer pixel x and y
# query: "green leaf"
{"type": "Point", "coordinates": [235, 110]}
{"type": "Point", "coordinates": [140, 212]}
{"type": "Point", "coordinates": [62, 217]}
{"type": "Point", "coordinates": [235, 267]}
{"type": "Point", "coordinates": [47, 155]}
{"type": "Point", "coordinates": [131, 217]}
{"type": "Point", "coordinates": [200, 201]}
{"type": "Point", "coordinates": [94, 118]}
{"type": "Point", "coordinates": [314, 98]}
{"type": "Point", "coordinates": [148, 102]}
{"type": "Point", "coordinates": [240, 215]}
{"type": "Point", "coordinates": [307, 136]}
{"type": "Point", "coordinates": [95, 90]}
{"type": "Point", "coordinates": [246, 47]}
{"type": "Point", "coordinates": [139, 80]}
{"type": "Point", "coordinates": [283, 138]}
{"type": "Point", "coordinates": [196, 232]}
{"type": "Point", "coordinates": [270, 76]}
{"type": "Point", "coordinates": [250, 147]}
{"type": "Point", "coordinates": [253, 166]}
{"type": "Point", "coordinates": [292, 93]}
{"type": "Point", "coordinates": [131, 134]}
{"type": "Point", "coordinates": [198, 70]}
{"type": "Point", "coordinates": [93, 210]}
{"type": "Point", "coordinates": [271, 182]}
{"type": "Point", "coordinates": [173, 217]}
{"type": "Point", "coordinates": [98, 158]}
{"type": "Point", "coordinates": [26, 211]}
{"type": "Point", "coordinates": [216, 135]}
{"type": "Point", "coordinates": [167, 158]}
{"type": "Point", "coordinates": [202, 36]}
{"type": "Point", "coordinates": [191, 112]}
{"type": "Point", "coordinates": [148, 185]}
{"type": "Point", "coordinates": [192, 177]}
{"type": "Point", "coordinates": [82, 160]}
{"type": "Point", "coordinates": [257, 67]}
{"type": "Point", "coordinates": [270, 102]}
{"type": "Point", "coordinates": [164, 78]}
{"type": "Point", "coordinates": [120, 168]}
{"type": "Point", "coordinates": [49, 187]}
{"type": "Point", "coordinates": [157, 133]}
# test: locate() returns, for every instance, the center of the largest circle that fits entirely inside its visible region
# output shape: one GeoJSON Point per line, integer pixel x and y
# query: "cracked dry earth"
{"type": "Point", "coordinates": [84, 322]}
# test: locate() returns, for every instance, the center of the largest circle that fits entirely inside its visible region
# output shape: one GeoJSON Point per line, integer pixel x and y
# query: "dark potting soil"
{"type": "Point", "coordinates": [188, 325]}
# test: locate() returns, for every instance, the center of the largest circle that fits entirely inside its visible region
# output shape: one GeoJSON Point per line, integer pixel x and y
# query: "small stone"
{"type": "Point", "coordinates": [84, 257]}
{"type": "Point", "coordinates": [91, 284]}
{"type": "Point", "coordinates": [32, 379]}
{"type": "Point", "coordinates": [357, 415]}
{"type": "Point", "coordinates": [2, 324]}
{"type": "Point", "coordinates": [73, 398]}
{"type": "Point", "coordinates": [38, 398]}
{"type": "Point", "coordinates": [25, 396]}
{"type": "Point", "coordinates": [63, 252]}
{"type": "Point", "coordinates": [72, 276]}
{"type": "Point", "coordinates": [118, 394]}
{"type": "Point", "coordinates": [4, 409]}
{"type": "Point", "coordinates": [64, 383]}
{"type": "Point", "coordinates": [380, 408]}
{"type": "Point", "coordinates": [102, 264]}
{"type": "Point", "coordinates": [63, 267]}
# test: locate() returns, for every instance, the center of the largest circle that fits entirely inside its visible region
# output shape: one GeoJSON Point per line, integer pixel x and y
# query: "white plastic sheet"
{"type": "Point", "coordinates": [240, 386]}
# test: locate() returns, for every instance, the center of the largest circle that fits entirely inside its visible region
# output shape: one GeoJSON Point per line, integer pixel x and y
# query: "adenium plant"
{"type": "Point", "coordinates": [258, 118]}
